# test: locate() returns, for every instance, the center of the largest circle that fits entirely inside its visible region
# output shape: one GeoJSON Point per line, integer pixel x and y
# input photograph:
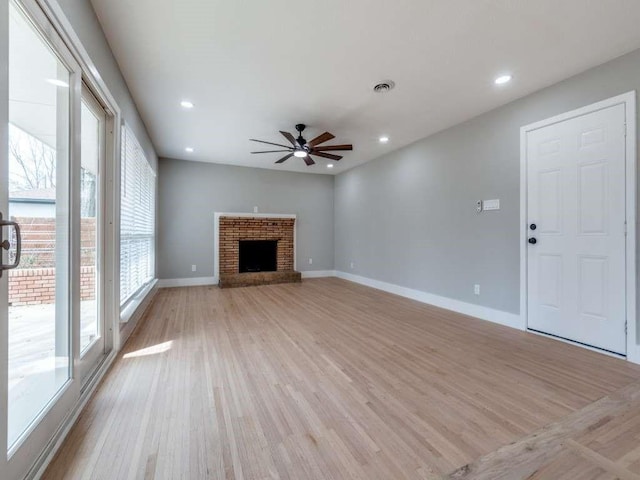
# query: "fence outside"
{"type": "Point", "coordinates": [33, 282]}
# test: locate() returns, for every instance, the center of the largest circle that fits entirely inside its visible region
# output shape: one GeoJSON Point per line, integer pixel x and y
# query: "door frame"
{"type": "Point", "coordinates": [111, 223]}
{"type": "Point", "coordinates": [89, 358]}
{"type": "Point", "coordinates": [91, 76]}
{"type": "Point", "coordinates": [17, 459]}
{"type": "Point", "coordinates": [49, 15]}
{"type": "Point", "coordinates": [629, 101]}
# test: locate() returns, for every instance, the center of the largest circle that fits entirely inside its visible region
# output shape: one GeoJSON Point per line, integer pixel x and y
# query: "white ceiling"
{"type": "Point", "coordinates": [253, 67]}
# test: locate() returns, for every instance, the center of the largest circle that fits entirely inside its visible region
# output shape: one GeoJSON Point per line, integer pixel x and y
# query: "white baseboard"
{"type": "Point", "coordinates": [478, 311]}
{"type": "Point", "coordinates": [318, 273]}
{"type": "Point", "coordinates": [496, 316]}
{"type": "Point", "coordinates": [484, 313]}
{"type": "Point", "coordinates": [187, 282]}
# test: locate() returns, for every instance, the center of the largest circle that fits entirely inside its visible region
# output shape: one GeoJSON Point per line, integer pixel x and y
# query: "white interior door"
{"type": "Point", "coordinates": [576, 217]}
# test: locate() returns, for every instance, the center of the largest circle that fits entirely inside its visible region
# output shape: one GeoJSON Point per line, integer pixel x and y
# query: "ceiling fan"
{"type": "Point", "coordinates": [304, 149]}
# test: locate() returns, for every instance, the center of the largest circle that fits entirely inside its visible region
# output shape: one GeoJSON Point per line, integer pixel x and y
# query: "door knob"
{"type": "Point", "coordinates": [533, 226]}
{"type": "Point", "coordinates": [533, 241]}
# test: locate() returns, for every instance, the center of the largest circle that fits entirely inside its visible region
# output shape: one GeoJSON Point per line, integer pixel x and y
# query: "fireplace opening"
{"type": "Point", "coordinates": [258, 255]}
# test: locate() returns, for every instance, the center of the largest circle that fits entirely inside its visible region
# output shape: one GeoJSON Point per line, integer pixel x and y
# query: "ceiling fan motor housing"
{"type": "Point", "coordinates": [300, 128]}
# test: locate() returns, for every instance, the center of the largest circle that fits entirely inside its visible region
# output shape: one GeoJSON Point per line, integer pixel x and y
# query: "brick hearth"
{"type": "Point", "coordinates": [234, 229]}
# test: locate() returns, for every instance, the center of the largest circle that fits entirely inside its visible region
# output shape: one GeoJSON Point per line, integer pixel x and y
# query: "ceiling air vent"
{"type": "Point", "coordinates": [384, 87]}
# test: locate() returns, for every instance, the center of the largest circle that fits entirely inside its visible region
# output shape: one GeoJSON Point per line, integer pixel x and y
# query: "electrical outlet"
{"type": "Point", "coordinates": [353, 265]}
{"type": "Point", "coordinates": [476, 289]}
{"type": "Point", "coordinates": [193, 268]}
{"type": "Point", "coordinates": [310, 261]}
{"type": "Point", "coordinates": [255, 209]}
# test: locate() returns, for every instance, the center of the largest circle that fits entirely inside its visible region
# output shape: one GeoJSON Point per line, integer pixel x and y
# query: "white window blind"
{"type": "Point", "coordinates": [137, 218]}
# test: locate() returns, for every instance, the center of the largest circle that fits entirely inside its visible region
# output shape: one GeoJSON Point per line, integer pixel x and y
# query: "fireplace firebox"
{"type": "Point", "coordinates": [258, 255]}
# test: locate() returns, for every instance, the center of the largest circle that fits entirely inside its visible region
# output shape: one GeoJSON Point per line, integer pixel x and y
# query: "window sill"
{"type": "Point", "coordinates": [136, 301]}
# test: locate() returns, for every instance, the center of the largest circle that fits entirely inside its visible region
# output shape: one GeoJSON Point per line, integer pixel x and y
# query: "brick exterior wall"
{"type": "Point", "coordinates": [37, 286]}
{"type": "Point", "coordinates": [33, 282]}
{"type": "Point", "coordinates": [234, 229]}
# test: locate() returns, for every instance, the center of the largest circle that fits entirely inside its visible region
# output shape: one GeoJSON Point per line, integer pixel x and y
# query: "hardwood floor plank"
{"type": "Point", "coordinates": [528, 456]}
{"type": "Point", "coordinates": [329, 380]}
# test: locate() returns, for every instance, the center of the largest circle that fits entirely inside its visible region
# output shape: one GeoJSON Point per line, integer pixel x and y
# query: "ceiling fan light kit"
{"type": "Point", "coordinates": [301, 148]}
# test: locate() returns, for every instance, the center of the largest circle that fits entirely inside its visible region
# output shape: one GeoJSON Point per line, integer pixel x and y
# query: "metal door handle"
{"type": "Point", "coordinates": [5, 244]}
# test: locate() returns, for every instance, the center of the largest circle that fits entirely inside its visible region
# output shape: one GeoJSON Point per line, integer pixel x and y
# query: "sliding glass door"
{"type": "Point", "coordinates": [52, 333]}
{"type": "Point", "coordinates": [92, 345]}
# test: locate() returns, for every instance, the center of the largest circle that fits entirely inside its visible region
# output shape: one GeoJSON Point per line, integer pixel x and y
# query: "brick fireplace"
{"type": "Point", "coordinates": [234, 229]}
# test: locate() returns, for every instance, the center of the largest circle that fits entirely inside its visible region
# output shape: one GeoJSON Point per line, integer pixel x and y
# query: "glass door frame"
{"type": "Point", "coordinates": [36, 446]}
{"type": "Point", "coordinates": [90, 358]}
{"type": "Point", "coordinates": [19, 456]}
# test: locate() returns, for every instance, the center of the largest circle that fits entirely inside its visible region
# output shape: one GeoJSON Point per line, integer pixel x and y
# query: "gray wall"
{"type": "Point", "coordinates": [83, 19]}
{"type": "Point", "coordinates": [409, 218]}
{"type": "Point", "coordinates": [190, 192]}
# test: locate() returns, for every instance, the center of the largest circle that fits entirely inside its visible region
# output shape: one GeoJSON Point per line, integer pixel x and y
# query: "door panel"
{"type": "Point", "coordinates": [38, 297]}
{"type": "Point", "coordinates": [39, 321]}
{"type": "Point", "coordinates": [89, 205]}
{"type": "Point", "coordinates": [593, 200]}
{"type": "Point", "coordinates": [550, 200]}
{"type": "Point", "coordinates": [592, 286]}
{"type": "Point", "coordinates": [576, 198]}
{"type": "Point", "coordinates": [92, 146]}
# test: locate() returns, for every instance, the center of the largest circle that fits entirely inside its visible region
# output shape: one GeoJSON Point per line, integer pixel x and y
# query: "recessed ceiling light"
{"type": "Point", "coordinates": [330, 165]}
{"type": "Point", "coordinates": [383, 139]}
{"type": "Point", "coordinates": [188, 150]}
{"type": "Point", "coordinates": [501, 80]}
{"type": "Point", "coordinates": [186, 104]}
{"type": "Point", "coordinates": [57, 83]}
{"type": "Point", "coordinates": [300, 153]}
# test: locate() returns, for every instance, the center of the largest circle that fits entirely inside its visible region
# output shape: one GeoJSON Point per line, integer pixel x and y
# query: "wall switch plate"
{"type": "Point", "coordinates": [491, 204]}
{"type": "Point", "coordinates": [476, 289]}
{"type": "Point", "coordinates": [193, 268]}
{"type": "Point", "coordinates": [310, 261]}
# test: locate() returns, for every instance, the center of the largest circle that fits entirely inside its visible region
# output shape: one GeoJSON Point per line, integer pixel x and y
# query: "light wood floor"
{"type": "Point", "coordinates": [332, 380]}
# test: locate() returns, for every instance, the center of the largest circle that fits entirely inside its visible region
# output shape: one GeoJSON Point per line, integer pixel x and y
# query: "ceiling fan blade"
{"type": "Point", "coordinates": [326, 155]}
{"type": "Point", "coordinates": [333, 147]}
{"type": "Point", "coordinates": [272, 151]}
{"type": "Point", "coordinates": [289, 137]}
{"type": "Point", "coordinates": [308, 160]}
{"type": "Point", "coordinates": [325, 137]}
{"type": "Point", "coordinates": [285, 158]}
{"type": "Point", "coordinates": [270, 143]}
